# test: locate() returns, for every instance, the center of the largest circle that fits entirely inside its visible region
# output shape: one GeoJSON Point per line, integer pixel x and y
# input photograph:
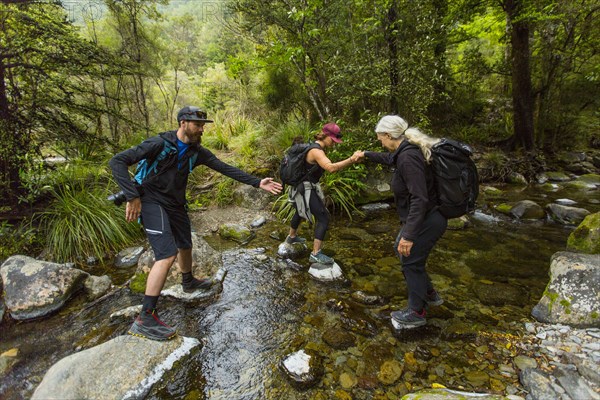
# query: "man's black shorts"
{"type": "Point", "coordinates": [167, 229]}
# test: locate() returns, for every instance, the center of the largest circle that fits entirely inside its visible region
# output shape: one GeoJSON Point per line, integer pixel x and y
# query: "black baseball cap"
{"type": "Point", "coordinates": [191, 113]}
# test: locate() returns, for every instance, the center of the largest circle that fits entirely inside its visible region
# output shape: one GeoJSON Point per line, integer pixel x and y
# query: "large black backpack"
{"type": "Point", "coordinates": [292, 169]}
{"type": "Point", "coordinates": [456, 177]}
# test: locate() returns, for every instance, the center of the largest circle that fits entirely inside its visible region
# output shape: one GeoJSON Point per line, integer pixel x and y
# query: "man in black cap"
{"type": "Point", "coordinates": [158, 197]}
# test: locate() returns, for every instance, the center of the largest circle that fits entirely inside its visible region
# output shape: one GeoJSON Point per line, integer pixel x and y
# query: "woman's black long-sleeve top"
{"type": "Point", "coordinates": [412, 185]}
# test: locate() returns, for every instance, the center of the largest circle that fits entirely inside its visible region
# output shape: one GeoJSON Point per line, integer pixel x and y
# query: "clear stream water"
{"type": "Point", "coordinates": [490, 275]}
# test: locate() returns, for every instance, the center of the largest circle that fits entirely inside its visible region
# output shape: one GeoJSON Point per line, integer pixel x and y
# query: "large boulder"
{"type": "Point", "coordinates": [377, 187]}
{"type": "Point", "coordinates": [35, 288]}
{"type": "Point", "coordinates": [125, 367]}
{"type": "Point", "coordinates": [206, 261]}
{"type": "Point", "coordinates": [573, 295]}
{"type": "Point", "coordinates": [586, 238]}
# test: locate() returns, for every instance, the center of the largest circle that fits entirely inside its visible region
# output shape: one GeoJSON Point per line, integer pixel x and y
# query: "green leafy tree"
{"type": "Point", "coordinates": [45, 70]}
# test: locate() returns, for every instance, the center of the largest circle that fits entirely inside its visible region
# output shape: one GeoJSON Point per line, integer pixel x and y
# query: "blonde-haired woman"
{"type": "Point", "coordinates": [409, 151]}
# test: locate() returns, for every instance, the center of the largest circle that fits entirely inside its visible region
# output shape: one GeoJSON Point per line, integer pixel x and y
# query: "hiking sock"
{"type": "Point", "coordinates": [187, 277]}
{"type": "Point", "coordinates": [149, 303]}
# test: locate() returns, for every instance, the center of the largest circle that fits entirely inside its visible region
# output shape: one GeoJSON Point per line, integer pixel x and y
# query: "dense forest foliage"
{"type": "Point", "coordinates": [85, 79]}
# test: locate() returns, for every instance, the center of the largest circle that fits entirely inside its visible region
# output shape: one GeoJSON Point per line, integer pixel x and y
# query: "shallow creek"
{"type": "Point", "coordinates": [490, 275]}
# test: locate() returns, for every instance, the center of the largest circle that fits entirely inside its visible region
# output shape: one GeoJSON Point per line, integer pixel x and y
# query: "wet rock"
{"type": "Point", "coordinates": [554, 176]}
{"type": "Point", "coordinates": [258, 222]}
{"type": "Point", "coordinates": [368, 299]}
{"type": "Point", "coordinates": [236, 232]}
{"type": "Point", "coordinates": [126, 313]}
{"type": "Point", "coordinates": [338, 339]}
{"type": "Point", "coordinates": [389, 372]}
{"type": "Point", "coordinates": [572, 295]}
{"type": "Point", "coordinates": [34, 288]}
{"type": "Point", "coordinates": [491, 191]}
{"type": "Point", "coordinates": [7, 360]}
{"type": "Point", "coordinates": [374, 207]}
{"type": "Point", "coordinates": [353, 317]}
{"type": "Point", "coordinates": [206, 261]}
{"type": "Point", "coordinates": [348, 381]}
{"type": "Point", "coordinates": [537, 383]}
{"type": "Point", "coordinates": [1, 310]}
{"type": "Point", "coordinates": [459, 331]}
{"type": "Point", "coordinates": [517, 179]}
{"type": "Point", "coordinates": [524, 362]}
{"type": "Point", "coordinates": [498, 294]}
{"type": "Point", "coordinates": [566, 214]}
{"type": "Point", "coordinates": [448, 394]}
{"type": "Point", "coordinates": [455, 224]}
{"type": "Point", "coordinates": [527, 209]}
{"type": "Point", "coordinates": [565, 202]}
{"type": "Point", "coordinates": [358, 234]}
{"type": "Point", "coordinates": [292, 264]}
{"type": "Point", "coordinates": [293, 251]}
{"type": "Point", "coordinates": [97, 286]}
{"type": "Point", "coordinates": [574, 385]}
{"type": "Point", "coordinates": [326, 272]}
{"type": "Point", "coordinates": [477, 378]}
{"type": "Point", "coordinates": [278, 235]}
{"type": "Point", "coordinates": [586, 237]}
{"type": "Point", "coordinates": [303, 368]}
{"type": "Point", "coordinates": [199, 295]}
{"type": "Point", "coordinates": [128, 257]}
{"type": "Point", "coordinates": [113, 369]}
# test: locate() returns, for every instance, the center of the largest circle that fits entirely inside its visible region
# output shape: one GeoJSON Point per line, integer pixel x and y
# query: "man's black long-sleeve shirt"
{"type": "Point", "coordinates": [168, 185]}
{"type": "Point", "coordinates": [412, 185]}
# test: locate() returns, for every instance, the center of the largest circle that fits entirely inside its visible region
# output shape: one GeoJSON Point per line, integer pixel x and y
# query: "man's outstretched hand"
{"type": "Point", "coordinates": [269, 185]}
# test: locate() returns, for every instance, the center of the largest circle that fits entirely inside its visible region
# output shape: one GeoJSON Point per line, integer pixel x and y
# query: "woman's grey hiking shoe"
{"type": "Point", "coordinates": [147, 325]}
{"type": "Point", "coordinates": [295, 239]}
{"type": "Point", "coordinates": [408, 318]}
{"type": "Point", "coordinates": [320, 258]}
{"type": "Point", "coordinates": [196, 284]}
{"type": "Point", "coordinates": [434, 299]}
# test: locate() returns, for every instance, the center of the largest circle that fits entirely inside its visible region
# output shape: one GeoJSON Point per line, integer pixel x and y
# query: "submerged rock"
{"type": "Point", "coordinates": [566, 214]}
{"type": "Point", "coordinates": [498, 294]}
{"type": "Point", "coordinates": [527, 209]}
{"type": "Point", "coordinates": [177, 292]}
{"type": "Point", "coordinates": [34, 288]}
{"type": "Point", "coordinates": [572, 296]}
{"type": "Point", "coordinates": [125, 367]}
{"type": "Point", "coordinates": [353, 317]}
{"type": "Point", "coordinates": [448, 394]}
{"type": "Point", "coordinates": [303, 368]}
{"type": "Point", "coordinates": [338, 339]}
{"type": "Point", "coordinates": [326, 272]}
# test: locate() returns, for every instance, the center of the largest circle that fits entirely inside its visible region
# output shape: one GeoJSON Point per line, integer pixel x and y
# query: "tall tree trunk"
{"type": "Point", "coordinates": [391, 38]}
{"type": "Point", "coordinates": [522, 95]}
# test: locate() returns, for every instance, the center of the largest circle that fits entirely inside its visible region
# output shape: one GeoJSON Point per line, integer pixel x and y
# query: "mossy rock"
{"type": "Point", "coordinates": [138, 282]}
{"type": "Point", "coordinates": [590, 178]}
{"type": "Point", "coordinates": [504, 208]}
{"type": "Point", "coordinates": [236, 232]}
{"type": "Point", "coordinates": [586, 238]}
{"type": "Point", "coordinates": [554, 176]}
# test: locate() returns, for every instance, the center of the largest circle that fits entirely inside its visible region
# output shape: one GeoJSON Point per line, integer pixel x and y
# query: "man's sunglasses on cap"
{"type": "Point", "coordinates": [192, 113]}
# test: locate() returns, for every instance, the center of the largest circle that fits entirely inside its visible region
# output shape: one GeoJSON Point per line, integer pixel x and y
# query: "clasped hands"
{"type": "Point", "coordinates": [358, 155]}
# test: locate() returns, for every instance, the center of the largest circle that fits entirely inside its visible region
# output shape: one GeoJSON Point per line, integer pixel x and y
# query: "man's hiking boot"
{"type": "Point", "coordinates": [147, 325]}
{"type": "Point", "coordinates": [408, 318]}
{"type": "Point", "coordinates": [295, 239]}
{"type": "Point", "coordinates": [196, 284]}
{"type": "Point", "coordinates": [433, 298]}
{"type": "Point", "coordinates": [320, 258]}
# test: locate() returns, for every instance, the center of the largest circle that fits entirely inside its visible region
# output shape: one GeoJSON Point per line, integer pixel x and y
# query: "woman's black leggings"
{"type": "Point", "coordinates": [413, 266]}
{"type": "Point", "coordinates": [319, 211]}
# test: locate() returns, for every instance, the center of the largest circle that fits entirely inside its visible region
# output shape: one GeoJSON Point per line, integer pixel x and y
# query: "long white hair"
{"type": "Point", "coordinates": [398, 128]}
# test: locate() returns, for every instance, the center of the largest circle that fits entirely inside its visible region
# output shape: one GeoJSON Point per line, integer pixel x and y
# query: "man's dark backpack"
{"type": "Point", "coordinates": [456, 177]}
{"type": "Point", "coordinates": [292, 169]}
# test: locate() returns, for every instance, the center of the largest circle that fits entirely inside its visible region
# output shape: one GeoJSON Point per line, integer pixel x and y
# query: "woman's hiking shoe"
{"type": "Point", "coordinates": [147, 325]}
{"type": "Point", "coordinates": [295, 239]}
{"type": "Point", "coordinates": [196, 284]}
{"type": "Point", "coordinates": [434, 299]}
{"type": "Point", "coordinates": [320, 258]}
{"type": "Point", "coordinates": [408, 318]}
